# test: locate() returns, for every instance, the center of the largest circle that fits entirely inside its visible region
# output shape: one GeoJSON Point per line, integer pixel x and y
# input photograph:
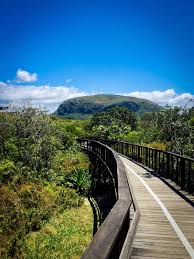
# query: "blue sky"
{"type": "Point", "coordinates": [52, 50]}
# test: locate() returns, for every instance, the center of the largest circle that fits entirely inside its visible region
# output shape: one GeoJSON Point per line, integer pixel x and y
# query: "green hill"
{"type": "Point", "coordinates": [84, 107]}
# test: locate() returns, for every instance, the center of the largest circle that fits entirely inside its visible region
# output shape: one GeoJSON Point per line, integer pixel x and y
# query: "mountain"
{"type": "Point", "coordinates": [84, 107]}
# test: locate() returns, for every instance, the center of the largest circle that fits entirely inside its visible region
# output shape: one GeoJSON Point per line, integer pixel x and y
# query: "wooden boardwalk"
{"type": "Point", "coordinates": [166, 227]}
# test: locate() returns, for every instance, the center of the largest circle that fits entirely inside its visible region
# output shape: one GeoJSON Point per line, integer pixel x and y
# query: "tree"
{"type": "Point", "coordinates": [6, 132]}
{"type": "Point", "coordinates": [29, 138]}
{"type": "Point", "coordinates": [172, 126]}
{"type": "Point", "coordinates": [113, 122]}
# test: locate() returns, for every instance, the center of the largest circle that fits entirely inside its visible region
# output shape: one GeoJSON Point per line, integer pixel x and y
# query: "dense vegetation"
{"type": "Point", "coordinates": [170, 129]}
{"type": "Point", "coordinates": [64, 236]}
{"type": "Point", "coordinates": [39, 163]}
{"type": "Point", "coordinates": [85, 107]}
{"type": "Point", "coordinates": [44, 176]}
{"type": "Point", "coordinates": [112, 123]}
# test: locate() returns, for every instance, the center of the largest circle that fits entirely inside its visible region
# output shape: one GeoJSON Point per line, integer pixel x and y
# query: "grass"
{"type": "Point", "coordinates": [64, 236]}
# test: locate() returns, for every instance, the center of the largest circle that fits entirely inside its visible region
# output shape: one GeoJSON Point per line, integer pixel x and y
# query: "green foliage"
{"type": "Point", "coordinates": [65, 163]}
{"type": "Point", "coordinates": [70, 129]}
{"type": "Point", "coordinates": [38, 153]}
{"type": "Point", "coordinates": [122, 121]}
{"type": "Point", "coordinates": [169, 129]}
{"type": "Point", "coordinates": [38, 204]}
{"type": "Point", "coordinates": [133, 136]}
{"type": "Point", "coordinates": [80, 180]}
{"type": "Point", "coordinates": [37, 144]}
{"type": "Point", "coordinates": [173, 127]}
{"type": "Point", "coordinates": [7, 170]}
{"type": "Point", "coordinates": [32, 141]}
{"type": "Point", "coordinates": [68, 198]}
{"type": "Point", "coordinates": [12, 220]}
{"type": "Point", "coordinates": [157, 145]}
{"type": "Point", "coordinates": [117, 115]}
{"type": "Point", "coordinates": [28, 209]}
{"type": "Point", "coordinates": [6, 131]}
{"type": "Point", "coordinates": [65, 236]}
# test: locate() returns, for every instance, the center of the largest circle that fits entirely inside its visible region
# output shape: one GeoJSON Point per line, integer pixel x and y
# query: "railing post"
{"type": "Point", "coordinates": [173, 168]}
{"type": "Point", "coordinates": [146, 160]}
{"type": "Point", "coordinates": [155, 160]}
{"type": "Point", "coordinates": [189, 180]}
{"type": "Point", "coordinates": [163, 171]}
{"type": "Point", "coordinates": [177, 171]}
{"type": "Point", "coordinates": [149, 157]}
{"type": "Point", "coordinates": [132, 151]}
{"type": "Point", "coordinates": [159, 162]}
{"type": "Point", "coordinates": [167, 173]}
{"type": "Point", "coordinates": [138, 148]}
{"type": "Point", "coordinates": [182, 173]}
{"type": "Point", "coordinates": [122, 151]}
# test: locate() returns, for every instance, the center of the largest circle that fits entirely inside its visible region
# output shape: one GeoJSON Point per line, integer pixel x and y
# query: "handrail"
{"type": "Point", "coordinates": [180, 169]}
{"type": "Point", "coordinates": [114, 238]}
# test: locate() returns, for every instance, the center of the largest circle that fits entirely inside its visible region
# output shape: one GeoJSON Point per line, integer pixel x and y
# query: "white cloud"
{"type": "Point", "coordinates": [181, 99]}
{"type": "Point", "coordinates": [23, 76]}
{"type": "Point", "coordinates": [2, 84]}
{"type": "Point", "coordinates": [47, 96]}
{"type": "Point", "coordinates": [68, 80]}
{"type": "Point", "coordinates": [163, 98]}
{"type": "Point", "coordinates": [52, 96]}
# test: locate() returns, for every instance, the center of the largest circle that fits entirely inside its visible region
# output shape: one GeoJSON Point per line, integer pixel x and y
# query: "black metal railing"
{"type": "Point", "coordinates": [114, 238]}
{"type": "Point", "coordinates": [166, 164]}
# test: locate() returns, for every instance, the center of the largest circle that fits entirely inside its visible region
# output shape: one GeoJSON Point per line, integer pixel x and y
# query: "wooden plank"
{"type": "Point", "coordinates": [155, 237]}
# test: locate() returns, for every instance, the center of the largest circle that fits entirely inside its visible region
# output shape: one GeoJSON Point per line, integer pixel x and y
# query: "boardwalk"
{"type": "Point", "coordinates": [166, 227]}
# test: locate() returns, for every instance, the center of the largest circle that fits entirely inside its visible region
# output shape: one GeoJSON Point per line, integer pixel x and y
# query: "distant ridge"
{"type": "Point", "coordinates": [2, 108]}
{"type": "Point", "coordinates": [84, 107]}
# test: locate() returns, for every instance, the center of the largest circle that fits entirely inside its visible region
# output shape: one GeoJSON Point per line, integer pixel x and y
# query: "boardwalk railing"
{"type": "Point", "coordinates": [114, 238]}
{"type": "Point", "coordinates": [178, 168]}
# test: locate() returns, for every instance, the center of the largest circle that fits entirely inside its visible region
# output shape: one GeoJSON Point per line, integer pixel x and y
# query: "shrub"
{"type": "Point", "coordinates": [68, 198]}
{"type": "Point", "coordinates": [12, 220]}
{"type": "Point", "coordinates": [35, 162]}
{"type": "Point", "coordinates": [33, 139]}
{"type": "Point", "coordinates": [135, 137]}
{"type": "Point", "coordinates": [157, 145]}
{"type": "Point", "coordinates": [7, 170]}
{"type": "Point", "coordinates": [80, 180]}
{"type": "Point", "coordinates": [28, 208]}
{"type": "Point", "coordinates": [38, 204]}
